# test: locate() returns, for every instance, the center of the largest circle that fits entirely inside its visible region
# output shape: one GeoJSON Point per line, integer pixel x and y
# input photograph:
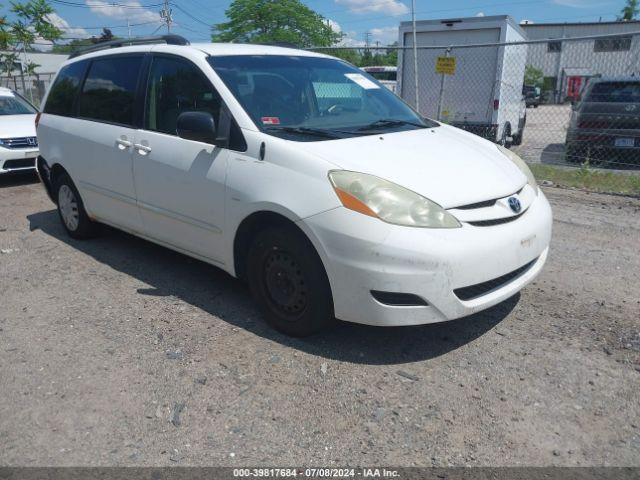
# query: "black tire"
{"type": "Point", "coordinates": [83, 227]}
{"type": "Point", "coordinates": [574, 154]}
{"type": "Point", "coordinates": [289, 283]}
{"type": "Point", "coordinates": [506, 133]}
{"type": "Point", "coordinates": [517, 139]}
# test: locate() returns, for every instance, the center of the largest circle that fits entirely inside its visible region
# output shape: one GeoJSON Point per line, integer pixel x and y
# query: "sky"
{"type": "Point", "coordinates": [354, 18]}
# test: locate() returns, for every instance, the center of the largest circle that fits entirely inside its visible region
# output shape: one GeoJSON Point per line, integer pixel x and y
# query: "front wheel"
{"type": "Point", "coordinates": [288, 281]}
{"type": "Point", "coordinates": [71, 209]}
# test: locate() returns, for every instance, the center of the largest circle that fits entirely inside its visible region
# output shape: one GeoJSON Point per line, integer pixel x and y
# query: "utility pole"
{"type": "Point", "coordinates": [166, 15]}
{"type": "Point", "coordinates": [415, 54]}
{"type": "Point", "coordinates": [129, 27]}
{"type": "Point", "coordinates": [367, 38]}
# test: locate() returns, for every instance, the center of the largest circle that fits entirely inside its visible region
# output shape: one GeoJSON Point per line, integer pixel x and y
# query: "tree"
{"type": "Point", "coordinates": [74, 45]}
{"type": "Point", "coordinates": [17, 36]}
{"type": "Point", "coordinates": [630, 10]}
{"type": "Point", "coordinates": [71, 46]}
{"type": "Point", "coordinates": [533, 76]}
{"type": "Point", "coordinates": [275, 21]}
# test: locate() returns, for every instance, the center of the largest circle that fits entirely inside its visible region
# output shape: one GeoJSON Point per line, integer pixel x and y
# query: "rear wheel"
{"type": "Point", "coordinates": [288, 280]}
{"type": "Point", "coordinates": [574, 154]}
{"type": "Point", "coordinates": [71, 209]}
{"type": "Point", "coordinates": [506, 133]}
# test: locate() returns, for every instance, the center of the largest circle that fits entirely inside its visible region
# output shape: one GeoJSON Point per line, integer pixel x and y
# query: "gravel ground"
{"type": "Point", "coordinates": [115, 351]}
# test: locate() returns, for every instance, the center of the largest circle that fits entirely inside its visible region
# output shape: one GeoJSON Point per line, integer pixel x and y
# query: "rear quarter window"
{"type": "Point", "coordinates": [65, 89]}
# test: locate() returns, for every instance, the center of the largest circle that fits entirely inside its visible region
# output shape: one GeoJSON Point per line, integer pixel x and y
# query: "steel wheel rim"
{"type": "Point", "coordinates": [68, 207]}
{"type": "Point", "coordinates": [285, 285]}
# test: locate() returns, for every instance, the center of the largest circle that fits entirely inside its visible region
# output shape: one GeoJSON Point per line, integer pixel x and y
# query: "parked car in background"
{"type": "Point", "coordinates": [295, 172]}
{"type": "Point", "coordinates": [18, 142]}
{"type": "Point", "coordinates": [605, 123]}
{"type": "Point", "coordinates": [387, 76]}
{"type": "Point", "coordinates": [531, 96]}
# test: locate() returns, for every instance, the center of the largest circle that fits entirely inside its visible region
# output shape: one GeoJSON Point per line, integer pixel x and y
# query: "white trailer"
{"type": "Point", "coordinates": [484, 93]}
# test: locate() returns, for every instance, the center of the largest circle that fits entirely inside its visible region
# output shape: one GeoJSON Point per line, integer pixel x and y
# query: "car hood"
{"type": "Point", "coordinates": [445, 164]}
{"type": "Point", "coordinates": [12, 126]}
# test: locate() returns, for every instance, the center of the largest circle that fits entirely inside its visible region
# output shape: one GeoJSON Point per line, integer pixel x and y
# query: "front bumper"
{"type": "Point", "coordinates": [17, 160]}
{"type": "Point", "coordinates": [364, 254]}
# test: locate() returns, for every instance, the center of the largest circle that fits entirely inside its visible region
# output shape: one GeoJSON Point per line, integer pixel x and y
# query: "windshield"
{"type": "Point", "coordinates": [626, 92]}
{"type": "Point", "coordinates": [11, 104]}
{"type": "Point", "coordinates": [313, 98]}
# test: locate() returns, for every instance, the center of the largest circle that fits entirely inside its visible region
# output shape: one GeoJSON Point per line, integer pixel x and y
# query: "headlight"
{"type": "Point", "coordinates": [524, 168]}
{"type": "Point", "coordinates": [389, 202]}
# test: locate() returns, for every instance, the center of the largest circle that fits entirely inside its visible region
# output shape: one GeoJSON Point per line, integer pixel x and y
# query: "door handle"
{"type": "Point", "coordinates": [123, 144]}
{"type": "Point", "coordinates": [142, 149]}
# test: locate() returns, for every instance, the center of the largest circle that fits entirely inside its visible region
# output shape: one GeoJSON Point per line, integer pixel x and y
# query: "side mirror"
{"type": "Point", "coordinates": [198, 126]}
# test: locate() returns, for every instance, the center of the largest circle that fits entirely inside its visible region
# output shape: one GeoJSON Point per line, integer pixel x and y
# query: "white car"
{"type": "Point", "coordinates": [18, 142]}
{"type": "Point", "coordinates": [296, 172]}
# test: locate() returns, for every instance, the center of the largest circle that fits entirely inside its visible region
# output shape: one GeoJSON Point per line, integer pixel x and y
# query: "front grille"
{"type": "Point", "coordinates": [22, 163]}
{"type": "Point", "coordinates": [497, 221]}
{"type": "Point", "coordinates": [20, 142]}
{"type": "Point", "coordinates": [478, 290]}
{"type": "Point", "coordinates": [485, 203]}
{"type": "Point", "coordinates": [473, 206]}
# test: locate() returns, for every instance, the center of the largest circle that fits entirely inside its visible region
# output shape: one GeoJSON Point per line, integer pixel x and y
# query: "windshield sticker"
{"type": "Point", "coordinates": [271, 120]}
{"type": "Point", "coordinates": [361, 80]}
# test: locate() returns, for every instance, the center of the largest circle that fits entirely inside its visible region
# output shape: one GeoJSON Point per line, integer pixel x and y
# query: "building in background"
{"type": "Point", "coordinates": [35, 86]}
{"type": "Point", "coordinates": [567, 66]}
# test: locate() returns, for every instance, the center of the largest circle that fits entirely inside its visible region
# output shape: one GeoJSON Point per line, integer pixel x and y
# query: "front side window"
{"type": "Point", "coordinates": [176, 86]}
{"type": "Point", "coordinates": [65, 89]}
{"type": "Point", "coordinates": [12, 104]}
{"type": "Point", "coordinates": [109, 92]}
{"type": "Point", "coordinates": [313, 98]}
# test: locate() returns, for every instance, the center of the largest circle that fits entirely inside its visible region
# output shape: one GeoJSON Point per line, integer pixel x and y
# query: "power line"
{"type": "Point", "coordinates": [191, 16]}
{"type": "Point", "coordinates": [105, 5]}
{"type": "Point", "coordinates": [107, 26]}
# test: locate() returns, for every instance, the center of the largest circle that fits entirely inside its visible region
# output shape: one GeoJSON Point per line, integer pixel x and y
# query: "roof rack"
{"type": "Point", "coordinates": [280, 44]}
{"type": "Point", "coordinates": [168, 39]}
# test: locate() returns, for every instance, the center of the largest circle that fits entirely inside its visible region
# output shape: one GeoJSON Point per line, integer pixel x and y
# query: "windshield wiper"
{"type": "Point", "coordinates": [318, 132]}
{"type": "Point", "coordinates": [389, 122]}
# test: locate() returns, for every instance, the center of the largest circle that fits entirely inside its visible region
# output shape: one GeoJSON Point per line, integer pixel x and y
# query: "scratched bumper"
{"type": "Point", "coordinates": [362, 254]}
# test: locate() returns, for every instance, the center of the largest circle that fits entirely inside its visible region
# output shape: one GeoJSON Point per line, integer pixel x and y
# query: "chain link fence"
{"type": "Point", "coordinates": [32, 87]}
{"type": "Point", "coordinates": [570, 104]}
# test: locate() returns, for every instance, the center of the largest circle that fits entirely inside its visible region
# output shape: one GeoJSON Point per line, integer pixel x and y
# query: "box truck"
{"type": "Point", "coordinates": [464, 78]}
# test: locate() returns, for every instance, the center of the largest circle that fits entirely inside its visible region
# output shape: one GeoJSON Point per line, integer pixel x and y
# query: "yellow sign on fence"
{"type": "Point", "coordinates": [446, 65]}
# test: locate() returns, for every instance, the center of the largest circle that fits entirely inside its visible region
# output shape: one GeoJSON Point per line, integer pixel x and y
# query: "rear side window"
{"type": "Point", "coordinates": [619, 92]}
{"type": "Point", "coordinates": [65, 90]}
{"type": "Point", "coordinates": [109, 92]}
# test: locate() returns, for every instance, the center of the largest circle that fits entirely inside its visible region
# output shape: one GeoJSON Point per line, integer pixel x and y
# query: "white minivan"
{"type": "Point", "coordinates": [296, 172]}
